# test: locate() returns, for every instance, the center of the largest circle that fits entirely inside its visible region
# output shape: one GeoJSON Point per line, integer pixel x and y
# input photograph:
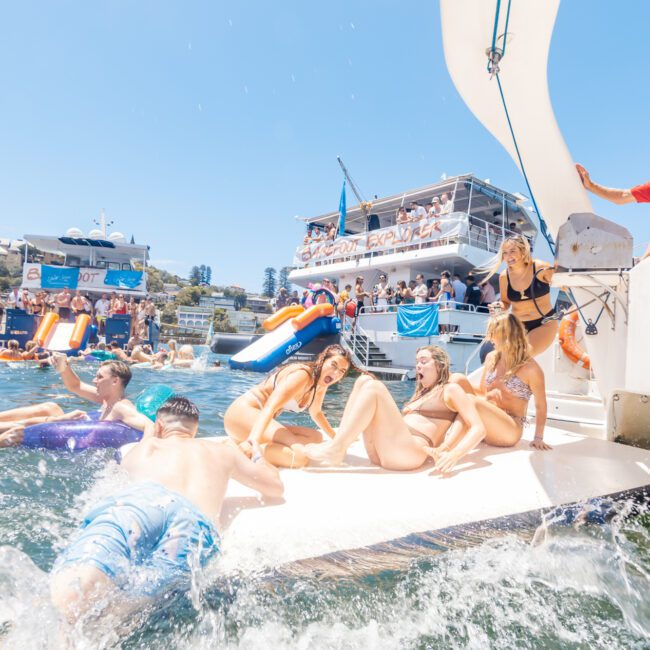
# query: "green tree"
{"type": "Point", "coordinates": [154, 280]}
{"type": "Point", "coordinates": [202, 273]}
{"type": "Point", "coordinates": [208, 274]}
{"type": "Point", "coordinates": [269, 285]}
{"type": "Point", "coordinates": [168, 314]}
{"type": "Point", "coordinates": [195, 276]}
{"type": "Point", "coordinates": [221, 322]}
{"type": "Point", "coordinates": [283, 278]}
{"type": "Point", "coordinates": [240, 300]}
{"type": "Point", "coordinates": [189, 296]}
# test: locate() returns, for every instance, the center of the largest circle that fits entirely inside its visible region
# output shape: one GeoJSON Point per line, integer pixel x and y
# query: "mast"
{"type": "Point", "coordinates": [363, 204]}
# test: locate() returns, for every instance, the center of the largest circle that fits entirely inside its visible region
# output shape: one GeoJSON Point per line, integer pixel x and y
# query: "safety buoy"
{"type": "Point", "coordinates": [567, 338]}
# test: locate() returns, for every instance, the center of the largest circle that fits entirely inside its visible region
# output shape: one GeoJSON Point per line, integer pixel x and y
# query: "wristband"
{"type": "Point", "coordinates": [539, 437]}
{"type": "Point", "coordinates": [257, 457]}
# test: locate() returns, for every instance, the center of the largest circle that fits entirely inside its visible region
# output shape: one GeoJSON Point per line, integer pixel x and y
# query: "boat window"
{"type": "Point", "coordinates": [114, 265]}
{"type": "Point", "coordinates": [126, 266]}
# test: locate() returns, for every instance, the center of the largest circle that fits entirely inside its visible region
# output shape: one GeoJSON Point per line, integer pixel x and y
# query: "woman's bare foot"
{"type": "Point", "coordinates": [12, 437]}
{"type": "Point", "coordinates": [328, 453]}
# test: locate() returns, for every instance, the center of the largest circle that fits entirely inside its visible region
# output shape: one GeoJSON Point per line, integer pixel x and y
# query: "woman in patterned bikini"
{"type": "Point", "coordinates": [510, 378]}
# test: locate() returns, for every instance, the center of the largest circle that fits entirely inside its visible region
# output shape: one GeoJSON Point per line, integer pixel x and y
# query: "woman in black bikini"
{"type": "Point", "coordinates": [525, 289]}
{"type": "Point", "coordinates": [403, 440]}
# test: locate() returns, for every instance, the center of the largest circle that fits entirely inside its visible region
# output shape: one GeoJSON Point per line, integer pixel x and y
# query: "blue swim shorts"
{"type": "Point", "coordinates": [145, 538]}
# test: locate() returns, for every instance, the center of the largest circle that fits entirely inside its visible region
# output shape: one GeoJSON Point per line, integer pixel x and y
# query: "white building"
{"type": "Point", "coordinates": [192, 317]}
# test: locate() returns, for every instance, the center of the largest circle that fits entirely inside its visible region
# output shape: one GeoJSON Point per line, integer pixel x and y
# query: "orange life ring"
{"type": "Point", "coordinates": [567, 338]}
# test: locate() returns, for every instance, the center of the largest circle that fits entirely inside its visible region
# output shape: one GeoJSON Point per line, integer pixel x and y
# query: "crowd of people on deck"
{"type": "Point", "coordinates": [69, 305]}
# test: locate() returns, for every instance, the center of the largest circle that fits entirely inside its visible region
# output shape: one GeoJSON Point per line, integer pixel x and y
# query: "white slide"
{"type": "Point", "coordinates": [357, 505]}
{"type": "Point", "coordinates": [59, 338]}
{"type": "Point", "coordinates": [278, 338]}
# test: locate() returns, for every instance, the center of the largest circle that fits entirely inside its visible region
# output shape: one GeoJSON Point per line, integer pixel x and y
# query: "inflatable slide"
{"type": "Point", "coordinates": [288, 330]}
{"type": "Point", "coordinates": [56, 336]}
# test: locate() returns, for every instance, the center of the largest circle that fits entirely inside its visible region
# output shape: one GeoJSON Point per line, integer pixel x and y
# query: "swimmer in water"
{"type": "Point", "coordinates": [107, 389]}
{"type": "Point", "coordinates": [402, 440]}
{"type": "Point", "coordinates": [296, 387]}
{"type": "Point", "coordinates": [148, 537]}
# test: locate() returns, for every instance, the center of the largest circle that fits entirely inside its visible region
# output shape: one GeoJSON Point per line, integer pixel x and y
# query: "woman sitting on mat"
{"type": "Point", "coordinates": [525, 289]}
{"type": "Point", "coordinates": [403, 440]}
{"type": "Point", "coordinates": [510, 378]}
{"type": "Point", "coordinates": [294, 387]}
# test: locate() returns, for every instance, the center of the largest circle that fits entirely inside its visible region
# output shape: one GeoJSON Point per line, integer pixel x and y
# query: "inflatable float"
{"type": "Point", "coordinates": [290, 331]}
{"type": "Point", "coordinates": [93, 433]}
{"type": "Point", "coordinates": [361, 507]}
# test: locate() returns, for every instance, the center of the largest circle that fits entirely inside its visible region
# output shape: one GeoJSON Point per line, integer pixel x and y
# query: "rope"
{"type": "Point", "coordinates": [494, 56]}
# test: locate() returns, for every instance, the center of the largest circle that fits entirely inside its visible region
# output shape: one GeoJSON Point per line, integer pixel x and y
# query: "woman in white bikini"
{"type": "Point", "coordinates": [510, 378]}
{"type": "Point", "coordinates": [295, 387]}
{"type": "Point", "coordinates": [403, 440]}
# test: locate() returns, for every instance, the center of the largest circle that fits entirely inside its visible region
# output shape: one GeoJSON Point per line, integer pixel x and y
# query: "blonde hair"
{"type": "Point", "coordinates": [186, 352]}
{"type": "Point", "coordinates": [508, 335]}
{"type": "Point", "coordinates": [441, 359]}
{"type": "Point", "coordinates": [171, 344]}
{"type": "Point", "coordinates": [492, 266]}
{"type": "Point", "coordinates": [12, 344]}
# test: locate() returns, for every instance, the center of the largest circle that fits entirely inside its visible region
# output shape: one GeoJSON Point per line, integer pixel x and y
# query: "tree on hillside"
{"type": "Point", "coordinates": [154, 280]}
{"type": "Point", "coordinates": [189, 296]}
{"type": "Point", "coordinates": [221, 322]}
{"type": "Point", "coordinates": [240, 300]}
{"type": "Point", "coordinates": [283, 279]}
{"type": "Point", "coordinates": [269, 285]}
{"type": "Point", "coordinates": [195, 276]}
{"type": "Point", "coordinates": [202, 273]}
{"type": "Point", "coordinates": [208, 275]}
{"type": "Point", "coordinates": [168, 314]}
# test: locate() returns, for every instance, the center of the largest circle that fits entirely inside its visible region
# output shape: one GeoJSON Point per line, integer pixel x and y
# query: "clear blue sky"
{"type": "Point", "coordinates": [202, 128]}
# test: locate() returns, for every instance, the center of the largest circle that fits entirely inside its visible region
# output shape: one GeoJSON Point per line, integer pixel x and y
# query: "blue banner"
{"type": "Point", "coordinates": [123, 279]}
{"type": "Point", "coordinates": [342, 212]}
{"type": "Point", "coordinates": [417, 320]}
{"type": "Point", "coordinates": [59, 277]}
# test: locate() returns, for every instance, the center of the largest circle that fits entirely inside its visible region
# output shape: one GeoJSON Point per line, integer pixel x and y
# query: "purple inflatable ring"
{"type": "Point", "coordinates": [77, 435]}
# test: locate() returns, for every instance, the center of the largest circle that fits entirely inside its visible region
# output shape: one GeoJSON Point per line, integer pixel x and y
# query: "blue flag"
{"type": "Point", "coordinates": [342, 212]}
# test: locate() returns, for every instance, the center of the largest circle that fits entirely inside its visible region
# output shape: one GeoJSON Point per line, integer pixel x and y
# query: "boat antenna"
{"type": "Point", "coordinates": [102, 222]}
{"type": "Point", "coordinates": [363, 204]}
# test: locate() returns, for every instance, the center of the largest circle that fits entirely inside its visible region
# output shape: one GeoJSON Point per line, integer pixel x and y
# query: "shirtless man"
{"type": "Point", "coordinates": [77, 304]}
{"type": "Point", "coordinates": [107, 389]}
{"type": "Point", "coordinates": [62, 301]}
{"type": "Point", "coordinates": [148, 536]}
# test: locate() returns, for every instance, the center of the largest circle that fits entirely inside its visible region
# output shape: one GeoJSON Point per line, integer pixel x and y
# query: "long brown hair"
{"type": "Point", "coordinates": [492, 266]}
{"type": "Point", "coordinates": [508, 335]}
{"type": "Point", "coordinates": [441, 359]}
{"type": "Point", "coordinates": [316, 366]}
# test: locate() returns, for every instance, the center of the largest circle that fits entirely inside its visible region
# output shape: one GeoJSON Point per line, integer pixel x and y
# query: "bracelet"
{"type": "Point", "coordinates": [257, 457]}
{"type": "Point", "coordinates": [539, 437]}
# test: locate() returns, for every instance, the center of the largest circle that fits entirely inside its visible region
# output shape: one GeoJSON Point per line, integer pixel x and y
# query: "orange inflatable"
{"type": "Point", "coordinates": [49, 321]}
{"type": "Point", "coordinates": [317, 311]}
{"type": "Point", "coordinates": [567, 338]}
{"type": "Point", "coordinates": [81, 324]}
{"type": "Point", "coordinates": [281, 316]}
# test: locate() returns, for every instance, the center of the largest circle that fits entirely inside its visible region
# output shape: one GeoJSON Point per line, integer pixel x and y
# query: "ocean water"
{"type": "Point", "coordinates": [539, 585]}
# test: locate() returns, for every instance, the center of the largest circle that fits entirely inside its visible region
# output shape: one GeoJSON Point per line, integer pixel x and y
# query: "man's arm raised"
{"type": "Point", "coordinates": [72, 381]}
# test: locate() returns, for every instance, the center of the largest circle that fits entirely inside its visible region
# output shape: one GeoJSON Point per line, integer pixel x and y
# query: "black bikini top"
{"type": "Point", "coordinates": [536, 289]}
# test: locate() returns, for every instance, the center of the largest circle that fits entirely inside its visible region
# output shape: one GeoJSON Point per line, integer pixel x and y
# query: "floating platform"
{"type": "Point", "coordinates": [332, 509]}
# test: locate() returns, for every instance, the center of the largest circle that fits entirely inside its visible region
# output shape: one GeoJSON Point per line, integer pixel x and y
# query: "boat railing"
{"type": "Point", "coordinates": [456, 228]}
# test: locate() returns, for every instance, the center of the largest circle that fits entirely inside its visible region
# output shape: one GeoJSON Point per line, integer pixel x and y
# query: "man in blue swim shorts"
{"type": "Point", "coordinates": [154, 533]}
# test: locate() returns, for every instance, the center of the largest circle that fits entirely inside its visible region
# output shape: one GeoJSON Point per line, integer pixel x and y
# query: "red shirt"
{"type": "Point", "coordinates": [641, 193]}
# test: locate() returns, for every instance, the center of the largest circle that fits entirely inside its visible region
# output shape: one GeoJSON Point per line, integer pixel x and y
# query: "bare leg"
{"type": "Point", "coordinates": [542, 337]}
{"type": "Point", "coordinates": [12, 436]}
{"type": "Point", "coordinates": [75, 590]}
{"type": "Point", "coordinates": [46, 409]}
{"type": "Point", "coordinates": [240, 419]}
{"type": "Point", "coordinates": [463, 382]}
{"type": "Point", "coordinates": [371, 409]}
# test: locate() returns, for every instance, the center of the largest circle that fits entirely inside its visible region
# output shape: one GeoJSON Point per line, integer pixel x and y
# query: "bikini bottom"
{"type": "Point", "coordinates": [419, 434]}
{"type": "Point", "coordinates": [531, 325]}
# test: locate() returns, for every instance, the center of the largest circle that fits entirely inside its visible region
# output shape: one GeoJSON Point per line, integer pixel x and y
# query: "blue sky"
{"type": "Point", "coordinates": [202, 128]}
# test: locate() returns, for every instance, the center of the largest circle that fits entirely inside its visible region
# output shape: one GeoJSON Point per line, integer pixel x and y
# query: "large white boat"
{"type": "Point", "coordinates": [466, 237]}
